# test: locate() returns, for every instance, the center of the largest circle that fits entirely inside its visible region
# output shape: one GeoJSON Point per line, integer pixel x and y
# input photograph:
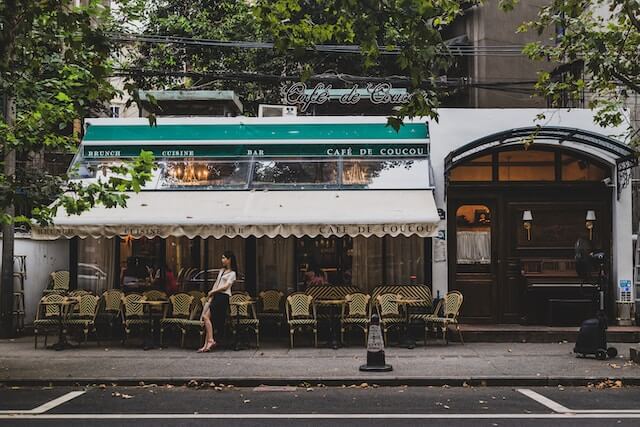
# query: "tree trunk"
{"type": "Point", "coordinates": [6, 281]}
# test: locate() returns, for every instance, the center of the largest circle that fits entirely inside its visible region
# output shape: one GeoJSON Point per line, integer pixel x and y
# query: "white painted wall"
{"type": "Point", "coordinates": [43, 257]}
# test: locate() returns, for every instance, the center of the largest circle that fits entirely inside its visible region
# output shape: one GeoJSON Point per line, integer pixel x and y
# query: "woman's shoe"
{"type": "Point", "coordinates": [207, 348]}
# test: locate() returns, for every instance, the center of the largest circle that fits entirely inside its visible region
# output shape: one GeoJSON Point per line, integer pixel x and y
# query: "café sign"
{"type": "Point", "coordinates": [377, 93]}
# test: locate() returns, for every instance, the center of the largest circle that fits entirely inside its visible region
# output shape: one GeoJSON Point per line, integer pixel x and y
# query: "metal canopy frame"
{"type": "Point", "coordinates": [625, 157]}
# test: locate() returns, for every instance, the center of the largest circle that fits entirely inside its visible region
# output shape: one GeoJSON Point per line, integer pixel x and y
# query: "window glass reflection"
{"type": "Point", "coordinates": [295, 172]}
{"type": "Point", "coordinates": [203, 174]}
{"type": "Point", "coordinates": [386, 174]}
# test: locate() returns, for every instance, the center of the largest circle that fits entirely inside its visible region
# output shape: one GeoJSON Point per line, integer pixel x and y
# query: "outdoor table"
{"type": "Point", "coordinates": [238, 304]}
{"type": "Point", "coordinates": [64, 308]}
{"type": "Point", "coordinates": [333, 305]}
{"type": "Point", "coordinates": [147, 305]}
{"type": "Point", "coordinates": [409, 342]}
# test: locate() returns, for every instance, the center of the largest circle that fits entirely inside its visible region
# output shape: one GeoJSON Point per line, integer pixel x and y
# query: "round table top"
{"type": "Point", "coordinates": [243, 302]}
{"type": "Point", "coordinates": [151, 302]}
{"type": "Point", "coordinates": [65, 301]}
{"type": "Point", "coordinates": [412, 301]}
{"type": "Point", "coordinates": [335, 301]}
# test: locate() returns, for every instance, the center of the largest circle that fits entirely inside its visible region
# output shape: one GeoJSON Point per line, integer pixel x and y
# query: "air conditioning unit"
{"type": "Point", "coordinates": [277, 111]}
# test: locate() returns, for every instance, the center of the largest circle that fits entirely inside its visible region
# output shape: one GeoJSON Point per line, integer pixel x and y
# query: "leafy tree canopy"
{"type": "Point", "coordinates": [55, 61]}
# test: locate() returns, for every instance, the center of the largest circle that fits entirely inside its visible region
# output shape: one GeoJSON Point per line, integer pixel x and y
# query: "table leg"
{"type": "Point", "coordinates": [148, 341]}
{"type": "Point", "coordinates": [236, 338]}
{"type": "Point", "coordinates": [409, 342]}
{"type": "Point", "coordinates": [332, 329]}
{"type": "Point", "coordinates": [62, 339]}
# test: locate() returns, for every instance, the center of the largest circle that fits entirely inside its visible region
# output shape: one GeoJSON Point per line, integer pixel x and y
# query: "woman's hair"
{"type": "Point", "coordinates": [231, 257]}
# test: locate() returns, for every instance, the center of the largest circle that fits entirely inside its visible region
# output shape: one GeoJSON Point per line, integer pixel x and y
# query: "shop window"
{"type": "Point", "coordinates": [479, 169]}
{"type": "Point", "coordinates": [295, 172]}
{"type": "Point", "coordinates": [275, 263]}
{"type": "Point", "coordinates": [386, 174]}
{"type": "Point", "coordinates": [96, 264]}
{"type": "Point", "coordinates": [367, 262]}
{"type": "Point", "coordinates": [581, 169]}
{"type": "Point", "coordinates": [137, 258]}
{"type": "Point", "coordinates": [205, 174]}
{"type": "Point", "coordinates": [404, 260]}
{"type": "Point", "coordinates": [473, 234]}
{"type": "Point", "coordinates": [526, 165]}
{"type": "Point", "coordinates": [236, 245]}
{"type": "Point", "coordinates": [182, 253]}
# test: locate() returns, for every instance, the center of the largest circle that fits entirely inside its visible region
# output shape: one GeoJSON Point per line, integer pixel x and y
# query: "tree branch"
{"type": "Point", "coordinates": [626, 80]}
{"type": "Point", "coordinates": [634, 19]}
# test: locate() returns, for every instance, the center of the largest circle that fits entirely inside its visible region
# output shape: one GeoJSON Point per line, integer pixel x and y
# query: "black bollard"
{"type": "Point", "coordinates": [375, 349]}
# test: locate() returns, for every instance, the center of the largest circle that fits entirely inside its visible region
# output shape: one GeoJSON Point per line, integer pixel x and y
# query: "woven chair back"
{"type": "Point", "coordinates": [452, 304]}
{"type": "Point", "coordinates": [60, 280]}
{"type": "Point", "coordinates": [52, 310]}
{"type": "Point", "coordinates": [242, 309]}
{"type": "Point", "coordinates": [388, 305]}
{"type": "Point", "coordinates": [357, 304]}
{"type": "Point", "coordinates": [271, 300]}
{"type": "Point", "coordinates": [112, 300]}
{"type": "Point", "coordinates": [154, 295]}
{"type": "Point", "coordinates": [299, 305]}
{"type": "Point", "coordinates": [88, 305]}
{"type": "Point", "coordinates": [130, 306]}
{"type": "Point", "coordinates": [181, 305]}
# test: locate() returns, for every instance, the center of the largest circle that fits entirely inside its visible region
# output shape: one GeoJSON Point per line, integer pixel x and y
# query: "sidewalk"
{"type": "Point", "coordinates": [474, 363]}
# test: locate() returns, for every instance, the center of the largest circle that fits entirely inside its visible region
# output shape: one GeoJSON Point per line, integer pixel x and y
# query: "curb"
{"type": "Point", "coordinates": [333, 382]}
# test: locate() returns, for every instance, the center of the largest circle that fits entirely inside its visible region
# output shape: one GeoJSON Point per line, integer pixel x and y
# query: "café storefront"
{"type": "Point", "coordinates": [351, 198]}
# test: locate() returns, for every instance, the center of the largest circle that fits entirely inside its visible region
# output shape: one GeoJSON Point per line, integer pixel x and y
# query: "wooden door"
{"type": "Point", "coordinates": [473, 256]}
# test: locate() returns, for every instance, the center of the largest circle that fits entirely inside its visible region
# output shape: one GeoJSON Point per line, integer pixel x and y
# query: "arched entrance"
{"type": "Point", "coordinates": [515, 211]}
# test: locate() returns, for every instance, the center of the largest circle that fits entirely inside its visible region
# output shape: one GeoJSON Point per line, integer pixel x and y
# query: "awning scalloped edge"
{"type": "Point", "coordinates": [218, 231]}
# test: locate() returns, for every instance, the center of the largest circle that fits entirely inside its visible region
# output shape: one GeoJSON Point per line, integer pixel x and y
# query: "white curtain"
{"type": "Point", "coordinates": [275, 264]}
{"type": "Point", "coordinates": [96, 264]}
{"type": "Point", "coordinates": [404, 260]}
{"type": "Point", "coordinates": [474, 247]}
{"type": "Point", "coordinates": [367, 262]}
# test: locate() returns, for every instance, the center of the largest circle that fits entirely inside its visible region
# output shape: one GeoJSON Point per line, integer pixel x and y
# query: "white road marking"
{"type": "Point", "coordinates": [46, 406]}
{"type": "Point", "coordinates": [554, 406]}
{"type": "Point", "coordinates": [484, 415]}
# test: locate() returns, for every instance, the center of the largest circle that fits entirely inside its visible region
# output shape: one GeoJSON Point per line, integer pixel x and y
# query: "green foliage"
{"type": "Point", "coordinates": [600, 37]}
{"type": "Point", "coordinates": [55, 60]}
{"type": "Point", "coordinates": [414, 26]}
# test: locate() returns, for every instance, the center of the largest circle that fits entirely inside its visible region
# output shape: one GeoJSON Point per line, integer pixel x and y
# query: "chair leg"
{"type": "Point", "coordinates": [46, 335]}
{"type": "Point", "coordinates": [426, 330]}
{"type": "Point", "coordinates": [257, 338]}
{"type": "Point", "coordinates": [290, 338]}
{"type": "Point", "coordinates": [315, 336]}
{"type": "Point", "coordinates": [445, 338]}
{"type": "Point", "coordinates": [460, 334]}
{"type": "Point", "coordinates": [161, 336]}
{"type": "Point", "coordinates": [35, 339]}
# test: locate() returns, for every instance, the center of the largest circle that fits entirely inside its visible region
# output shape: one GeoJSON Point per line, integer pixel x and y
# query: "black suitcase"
{"type": "Point", "coordinates": [592, 340]}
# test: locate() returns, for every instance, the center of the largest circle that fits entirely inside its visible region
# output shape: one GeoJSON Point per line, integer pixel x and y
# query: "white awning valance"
{"type": "Point", "coordinates": [255, 213]}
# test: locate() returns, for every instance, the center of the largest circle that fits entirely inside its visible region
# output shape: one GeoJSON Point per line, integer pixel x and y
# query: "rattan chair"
{"type": "Point", "coordinates": [427, 318]}
{"type": "Point", "coordinates": [301, 313]}
{"type": "Point", "coordinates": [355, 313]}
{"type": "Point", "coordinates": [270, 303]}
{"type": "Point", "coordinates": [132, 314]}
{"type": "Point", "coordinates": [389, 313]}
{"type": "Point", "coordinates": [110, 308]}
{"type": "Point", "coordinates": [47, 317]}
{"type": "Point", "coordinates": [180, 312]}
{"type": "Point", "coordinates": [247, 316]}
{"type": "Point", "coordinates": [194, 321]}
{"type": "Point", "coordinates": [86, 315]}
{"type": "Point", "coordinates": [451, 310]}
{"type": "Point", "coordinates": [58, 283]}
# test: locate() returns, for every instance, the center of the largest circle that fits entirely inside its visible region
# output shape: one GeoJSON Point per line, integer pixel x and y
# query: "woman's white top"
{"type": "Point", "coordinates": [225, 278]}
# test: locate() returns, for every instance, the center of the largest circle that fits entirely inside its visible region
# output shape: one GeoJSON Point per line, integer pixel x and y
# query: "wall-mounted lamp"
{"type": "Point", "coordinates": [527, 219]}
{"type": "Point", "coordinates": [591, 218]}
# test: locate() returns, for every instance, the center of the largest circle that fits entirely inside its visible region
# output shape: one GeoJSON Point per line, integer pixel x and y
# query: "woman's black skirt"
{"type": "Point", "coordinates": [219, 310]}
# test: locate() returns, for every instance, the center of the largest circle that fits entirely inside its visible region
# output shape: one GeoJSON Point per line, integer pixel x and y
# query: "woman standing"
{"type": "Point", "coordinates": [217, 307]}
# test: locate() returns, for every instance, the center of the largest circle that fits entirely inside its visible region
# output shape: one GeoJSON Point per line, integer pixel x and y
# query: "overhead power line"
{"type": "Point", "coordinates": [452, 49]}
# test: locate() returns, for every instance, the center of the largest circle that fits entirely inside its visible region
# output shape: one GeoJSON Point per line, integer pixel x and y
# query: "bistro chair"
{"type": "Point", "coordinates": [194, 322]}
{"type": "Point", "coordinates": [47, 317]}
{"type": "Point", "coordinates": [243, 316]}
{"type": "Point", "coordinates": [132, 314]}
{"type": "Point", "coordinates": [86, 315]}
{"type": "Point", "coordinates": [110, 308]}
{"type": "Point", "coordinates": [79, 293]}
{"type": "Point", "coordinates": [355, 313]}
{"type": "Point", "coordinates": [428, 318]}
{"type": "Point", "coordinates": [197, 295]}
{"type": "Point", "coordinates": [301, 313]}
{"type": "Point", "coordinates": [58, 283]}
{"type": "Point", "coordinates": [270, 306]}
{"type": "Point", "coordinates": [389, 311]}
{"type": "Point", "coordinates": [180, 312]}
{"type": "Point", "coordinates": [451, 308]}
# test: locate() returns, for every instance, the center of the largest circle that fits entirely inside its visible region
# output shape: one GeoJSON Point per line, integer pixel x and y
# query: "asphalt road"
{"type": "Point", "coordinates": [316, 405]}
